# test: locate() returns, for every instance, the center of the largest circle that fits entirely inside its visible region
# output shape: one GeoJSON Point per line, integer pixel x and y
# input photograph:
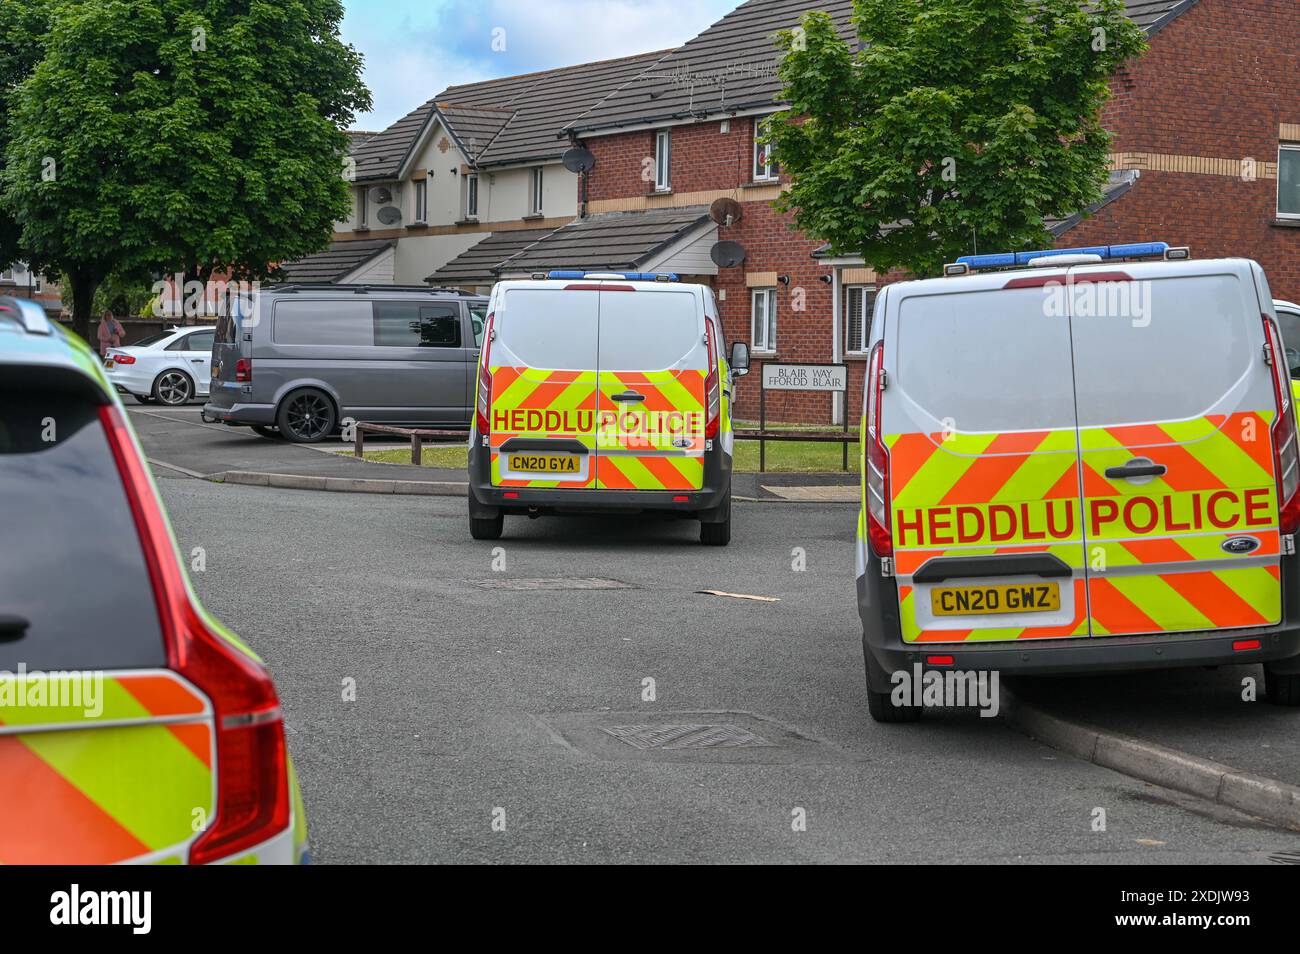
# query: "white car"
{"type": "Point", "coordinates": [170, 368]}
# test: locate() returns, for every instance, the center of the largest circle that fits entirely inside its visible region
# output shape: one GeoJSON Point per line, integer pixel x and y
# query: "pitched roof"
{"type": "Point", "coordinates": [336, 262]}
{"type": "Point", "coordinates": [731, 66]}
{"type": "Point", "coordinates": [609, 240]}
{"type": "Point", "coordinates": [477, 264]}
{"type": "Point", "coordinates": [506, 120]}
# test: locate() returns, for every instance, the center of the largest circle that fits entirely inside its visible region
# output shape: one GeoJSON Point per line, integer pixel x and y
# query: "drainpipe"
{"type": "Point", "coordinates": [837, 343]}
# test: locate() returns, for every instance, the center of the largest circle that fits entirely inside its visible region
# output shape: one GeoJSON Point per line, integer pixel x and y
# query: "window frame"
{"type": "Point", "coordinates": [1286, 147]}
{"type": "Point", "coordinates": [663, 160]}
{"type": "Point", "coordinates": [768, 347]}
{"type": "Point", "coordinates": [862, 290]}
{"type": "Point", "coordinates": [420, 199]}
{"type": "Point", "coordinates": [537, 186]}
{"type": "Point", "coordinates": [772, 169]}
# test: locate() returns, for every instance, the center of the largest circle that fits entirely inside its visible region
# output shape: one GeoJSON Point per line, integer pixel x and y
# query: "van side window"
{"type": "Point", "coordinates": [413, 324]}
{"type": "Point", "coordinates": [323, 323]}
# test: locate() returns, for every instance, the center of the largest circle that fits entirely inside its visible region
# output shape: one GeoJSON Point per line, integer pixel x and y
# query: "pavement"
{"type": "Point", "coordinates": [1208, 715]}
{"type": "Point", "coordinates": [484, 693]}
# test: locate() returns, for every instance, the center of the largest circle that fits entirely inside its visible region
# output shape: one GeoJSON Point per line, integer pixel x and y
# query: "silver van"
{"type": "Point", "coordinates": [306, 357]}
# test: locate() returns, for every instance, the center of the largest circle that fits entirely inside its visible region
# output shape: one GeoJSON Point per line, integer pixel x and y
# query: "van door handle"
{"type": "Point", "coordinates": [1132, 469]}
{"type": "Point", "coordinates": [629, 396]}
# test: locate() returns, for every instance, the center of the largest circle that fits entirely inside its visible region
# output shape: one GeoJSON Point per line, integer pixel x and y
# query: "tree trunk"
{"type": "Point", "coordinates": [83, 301]}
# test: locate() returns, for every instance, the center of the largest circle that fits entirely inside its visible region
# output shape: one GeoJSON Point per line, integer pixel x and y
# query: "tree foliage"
{"type": "Point", "coordinates": [955, 124]}
{"type": "Point", "coordinates": [180, 135]}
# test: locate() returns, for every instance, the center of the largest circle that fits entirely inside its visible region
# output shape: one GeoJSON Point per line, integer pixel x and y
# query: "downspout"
{"type": "Point", "coordinates": [837, 343]}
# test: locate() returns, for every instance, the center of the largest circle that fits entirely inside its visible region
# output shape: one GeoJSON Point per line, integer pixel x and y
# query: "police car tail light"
{"type": "Point", "coordinates": [1286, 455]}
{"type": "Point", "coordinates": [253, 802]}
{"type": "Point", "coordinates": [877, 458]}
{"type": "Point", "coordinates": [712, 391]}
{"type": "Point", "coordinates": [485, 379]}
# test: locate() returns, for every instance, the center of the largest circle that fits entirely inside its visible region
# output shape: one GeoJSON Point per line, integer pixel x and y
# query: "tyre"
{"type": "Point", "coordinates": [143, 398]}
{"type": "Point", "coordinates": [718, 534]}
{"type": "Point", "coordinates": [1281, 688]}
{"type": "Point", "coordinates": [266, 431]}
{"type": "Point", "coordinates": [879, 704]}
{"type": "Point", "coordinates": [173, 388]}
{"type": "Point", "coordinates": [306, 416]}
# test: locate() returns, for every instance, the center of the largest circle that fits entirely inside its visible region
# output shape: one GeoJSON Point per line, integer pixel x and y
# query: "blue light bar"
{"type": "Point", "coordinates": [630, 276]}
{"type": "Point", "coordinates": [1104, 252]}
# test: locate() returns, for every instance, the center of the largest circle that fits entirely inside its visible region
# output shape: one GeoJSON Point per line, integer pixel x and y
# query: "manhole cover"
{"type": "Point", "coordinates": [1285, 858]}
{"type": "Point", "coordinates": [575, 583]}
{"type": "Point", "coordinates": [683, 736]}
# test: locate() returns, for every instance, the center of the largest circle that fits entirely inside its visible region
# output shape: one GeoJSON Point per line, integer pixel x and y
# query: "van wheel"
{"type": "Point", "coordinates": [173, 388]}
{"type": "Point", "coordinates": [718, 534]}
{"type": "Point", "coordinates": [879, 704]}
{"type": "Point", "coordinates": [487, 528]}
{"type": "Point", "coordinates": [306, 416]}
{"type": "Point", "coordinates": [1281, 688]}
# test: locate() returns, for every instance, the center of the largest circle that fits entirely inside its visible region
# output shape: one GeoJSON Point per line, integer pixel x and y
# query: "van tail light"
{"type": "Point", "coordinates": [485, 380]}
{"type": "Point", "coordinates": [121, 358]}
{"type": "Point", "coordinates": [712, 389]}
{"type": "Point", "coordinates": [877, 457]}
{"type": "Point", "coordinates": [244, 369]}
{"type": "Point", "coordinates": [253, 802]}
{"type": "Point", "coordinates": [1286, 455]}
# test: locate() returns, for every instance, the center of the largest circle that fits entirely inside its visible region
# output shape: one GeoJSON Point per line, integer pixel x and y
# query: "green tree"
{"type": "Point", "coordinates": [955, 123]}
{"type": "Point", "coordinates": [22, 25]}
{"type": "Point", "coordinates": [180, 135]}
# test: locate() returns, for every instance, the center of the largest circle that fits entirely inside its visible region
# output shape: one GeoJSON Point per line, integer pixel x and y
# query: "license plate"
{"type": "Point", "coordinates": [544, 463]}
{"type": "Point", "coordinates": [999, 598]}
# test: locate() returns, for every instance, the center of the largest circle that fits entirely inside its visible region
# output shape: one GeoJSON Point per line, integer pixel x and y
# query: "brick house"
{"type": "Point", "coordinates": [1206, 154]}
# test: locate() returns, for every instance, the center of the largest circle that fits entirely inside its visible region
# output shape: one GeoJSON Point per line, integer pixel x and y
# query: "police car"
{"type": "Point", "coordinates": [1079, 460]}
{"type": "Point", "coordinates": [600, 392]}
{"type": "Point", "coordinates": [133, 726]}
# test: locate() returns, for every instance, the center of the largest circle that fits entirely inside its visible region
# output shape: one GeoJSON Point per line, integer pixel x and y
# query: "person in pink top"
{"type": "Point", "coordinates": [110, 333]}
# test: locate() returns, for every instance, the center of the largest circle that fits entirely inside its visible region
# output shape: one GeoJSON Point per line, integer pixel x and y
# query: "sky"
{"type": "Point", "coordinates": [415, 48]}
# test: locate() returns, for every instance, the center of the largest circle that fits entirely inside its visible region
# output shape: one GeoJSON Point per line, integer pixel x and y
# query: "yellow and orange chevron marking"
{"type": "Point", "coordinates": [101, 787]}
{"type": "Point", "coordinates": [1151, 552]}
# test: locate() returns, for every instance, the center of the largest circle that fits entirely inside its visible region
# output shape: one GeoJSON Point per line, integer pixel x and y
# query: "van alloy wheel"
{"type": "Point", "coordinates": [173, 387]}
{"type": "Point", "coordinates": [309, 416]}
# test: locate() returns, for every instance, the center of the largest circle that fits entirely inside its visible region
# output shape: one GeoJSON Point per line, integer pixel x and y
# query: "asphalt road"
{"type": "Point", "coordinates": [478, 703]}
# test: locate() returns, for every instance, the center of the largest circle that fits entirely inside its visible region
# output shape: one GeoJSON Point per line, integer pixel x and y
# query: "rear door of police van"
{"type": "Point", "coordinates": [978, 422]}
{"type": "Point", "coordinates": [542, 359]}
{"type": "Point", "coordinates": [654, 361]}
{"type": "Point", "coordinates": [1177, 404]}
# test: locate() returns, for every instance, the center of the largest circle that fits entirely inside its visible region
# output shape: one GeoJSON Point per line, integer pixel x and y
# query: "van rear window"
{"type": "Point", "coordinates": [547, 329]}
{"type": "Point", "coordinates": [71, 565]}
{"type": "Point", "coordinates": [986, 360]}
{"type": "Point", "coordinates": [648, 331]}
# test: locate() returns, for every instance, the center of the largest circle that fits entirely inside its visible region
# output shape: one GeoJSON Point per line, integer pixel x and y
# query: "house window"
{"type": "Point", "coordinates": [858, 302]}
{"type": "Point", "coordinates": [363, 207]}
{"type": "Point", "coordinates": [764, 167]}
{"type": "Point", "coordinates": [663, 160]}
{"type": "Point", "coordinates": [7, 276]}
{"type": "Point", "coordinates": [1288, 182]}
{"type": "Point", "coordinates": [471, 196]}
{"type": "Point", "coordinates": [537, 190]}
{"type": "Point", "coordinates": [38, 284]}
{"type": "Point", "coordinates": [764, 319]}
{"type": "Point", "coordinates": [422, 200]}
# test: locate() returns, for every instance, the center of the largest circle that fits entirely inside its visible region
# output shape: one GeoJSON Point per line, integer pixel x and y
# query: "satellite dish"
{"type": "Point", "coordinates": [389, 215]}
{"type": "Point", "coordinates": [727, 254]}
{"type": "Point", "coordinates": [380, 195]}
{"type": "Point", "coordinates": [578, 159]}
{"type": "Point", "coordinates": [726, 211]}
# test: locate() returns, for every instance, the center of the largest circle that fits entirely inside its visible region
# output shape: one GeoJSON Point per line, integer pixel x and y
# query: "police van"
{"type": "Point", "coordinates": [1074, 461]}
{"type": "Point", "coordinates": [603, 392]}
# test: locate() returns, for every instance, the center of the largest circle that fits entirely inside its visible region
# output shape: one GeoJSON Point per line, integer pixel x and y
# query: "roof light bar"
{"type": "Point", "coordinates": [626, 276]}
{"type": "Point", "coordinates": [1104, 252]}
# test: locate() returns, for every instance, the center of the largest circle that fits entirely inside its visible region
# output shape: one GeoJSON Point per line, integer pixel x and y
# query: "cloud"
{"type": "Point", "coordinates": [415, 48]}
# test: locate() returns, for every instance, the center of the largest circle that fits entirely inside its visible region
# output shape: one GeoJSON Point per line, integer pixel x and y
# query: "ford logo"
{"type": "Point", "coordinates": [1240, 545]}
{"type": "Point", "coordinates": [682, 442]}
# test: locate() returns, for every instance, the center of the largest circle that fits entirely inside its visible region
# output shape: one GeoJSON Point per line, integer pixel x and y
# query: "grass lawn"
{"type": "Point", "coordinates": [782, 456]}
